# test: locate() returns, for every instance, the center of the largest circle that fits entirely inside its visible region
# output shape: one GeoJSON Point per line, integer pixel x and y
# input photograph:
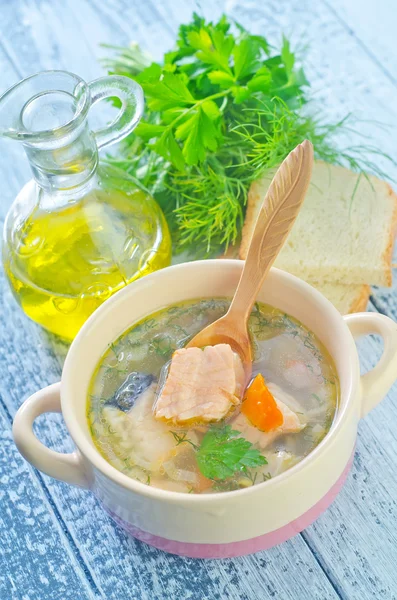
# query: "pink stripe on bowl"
{"type": "Point", "coordinates": [262, 542]}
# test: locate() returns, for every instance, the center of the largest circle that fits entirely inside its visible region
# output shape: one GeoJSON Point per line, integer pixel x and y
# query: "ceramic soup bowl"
{"type": "Point", "coordinates": [221, 524]}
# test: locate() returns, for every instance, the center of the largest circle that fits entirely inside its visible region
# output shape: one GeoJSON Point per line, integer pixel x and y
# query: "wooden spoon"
{"type": "Point", "coordinates": [277, 215]}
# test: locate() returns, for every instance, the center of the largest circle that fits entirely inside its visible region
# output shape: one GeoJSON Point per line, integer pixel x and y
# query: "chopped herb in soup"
{"type": "Point", "coordinates": [180, 419]}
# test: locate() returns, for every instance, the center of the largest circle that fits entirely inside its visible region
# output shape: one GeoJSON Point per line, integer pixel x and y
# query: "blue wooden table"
{"type": "Point", "coordinates": [55, 542]}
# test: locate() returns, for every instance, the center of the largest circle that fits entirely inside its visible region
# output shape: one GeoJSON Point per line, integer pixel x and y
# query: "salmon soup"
{"type": "Point", "coordinates": [184, 419]}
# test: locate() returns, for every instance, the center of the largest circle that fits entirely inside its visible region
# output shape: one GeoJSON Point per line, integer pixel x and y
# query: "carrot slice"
{"type": "Point", "coordinates": [260, 407]}
{"type": "Point", "coordinates": [203, 483]}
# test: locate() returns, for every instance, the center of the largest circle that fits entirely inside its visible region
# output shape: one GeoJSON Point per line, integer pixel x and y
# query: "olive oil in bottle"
{"type": "Point", "coordinates": [63, 264]}
{"type": "Point", "coordinates": [76, 233]}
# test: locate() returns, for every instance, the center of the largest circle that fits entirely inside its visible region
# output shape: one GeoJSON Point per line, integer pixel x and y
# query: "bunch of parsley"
{"type": "Point", "coordinates": [220, 109]}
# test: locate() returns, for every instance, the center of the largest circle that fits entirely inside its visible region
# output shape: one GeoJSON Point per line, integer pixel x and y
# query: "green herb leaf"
{"type": "Point", "coordinates": [214, 46]}
{"type": "Point", "coordinates": [241, 93]}
{"type": "Point", "coordinates": [170, 115]}
{"type": "Point", "coordinates": [262, 43]}
{"type": "Point", "coordinates": [211, 109]}
{"type": "Point", "coordinates": [169, 91]}
{"type": "Point", "coordinates": [246, 58]}
{"type": "Point", "coordinates": [225, 80]}
{"type": "Point", "coordinates": [223, 452]}
{"type": "Point", "coordinates": [287, 57]}
{"type": "Point", "coordinates": [147, 131]}
{"type": "Point", "coordinates": [167, 147]}
{"type": "Point", "coordinates": [193, 149]}
{"type": "Point", "coordinates": [150, 74]}
{"type": "Point", "coordinates": [261, 81]}
{"type": "Point", "coordinates": [200, 133]}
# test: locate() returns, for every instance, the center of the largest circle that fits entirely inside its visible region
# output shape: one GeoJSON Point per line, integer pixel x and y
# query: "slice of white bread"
{"type": "Point", "coordinates": [344, 232]}
{"type": "Point", "coordinates": [346, 298]}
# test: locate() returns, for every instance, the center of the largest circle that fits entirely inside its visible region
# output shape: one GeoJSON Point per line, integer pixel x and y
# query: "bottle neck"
{"type": "Point", "coordinates": [64, 166]}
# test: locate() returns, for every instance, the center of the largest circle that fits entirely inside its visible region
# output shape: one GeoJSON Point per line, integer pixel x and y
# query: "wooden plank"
{"type": "Point", "coordinates": [14, 170]}
{"type": "Point", "coordinates": [35, 561]}
{"type": "Point", "coordinates": [39, 37]}
{"type": "Point", "coordinates": [374, 25]}
{"type": "Point", "coordinates": [385, 299]}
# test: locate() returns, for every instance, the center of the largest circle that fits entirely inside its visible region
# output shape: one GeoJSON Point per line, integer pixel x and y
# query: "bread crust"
{"type": "Point", "coordinates": [388, 253]}
{"type": "Point", "coordinates": [359, 304]}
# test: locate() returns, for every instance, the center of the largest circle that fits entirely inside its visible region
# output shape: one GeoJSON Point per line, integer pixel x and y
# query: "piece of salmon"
{"type": "Point", "coordinates": [291, 421]}
{"type": "Point", "coordinates": [202, 386]}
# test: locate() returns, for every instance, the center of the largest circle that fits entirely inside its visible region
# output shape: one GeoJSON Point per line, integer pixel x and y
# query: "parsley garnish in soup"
{"type": "Point", "coordinates": [199, 430]}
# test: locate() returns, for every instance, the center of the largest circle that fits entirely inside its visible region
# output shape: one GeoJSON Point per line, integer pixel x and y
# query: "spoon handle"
{"type": "Point", "coordinates": [276, 217]}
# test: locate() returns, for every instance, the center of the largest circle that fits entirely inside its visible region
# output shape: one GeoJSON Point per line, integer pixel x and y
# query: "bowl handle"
{"type": "Point", "coordinates": [376, 383]}
{"type": "Point", "coordinates": [65, 467]}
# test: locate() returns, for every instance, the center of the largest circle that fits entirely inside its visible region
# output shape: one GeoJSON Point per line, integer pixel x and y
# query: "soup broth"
{"type": "Point", "coordinates": [299, 375]}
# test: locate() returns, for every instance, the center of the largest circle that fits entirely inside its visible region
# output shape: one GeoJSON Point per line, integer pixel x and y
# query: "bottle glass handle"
{"type": "Point", "coordinates": [130, 95]}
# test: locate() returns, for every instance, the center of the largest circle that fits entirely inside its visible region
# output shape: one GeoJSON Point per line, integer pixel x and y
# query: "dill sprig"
{"type": "Point", "coordinates": [222, 108]}
{"type": "Point", "coordinates": [181, 438]}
